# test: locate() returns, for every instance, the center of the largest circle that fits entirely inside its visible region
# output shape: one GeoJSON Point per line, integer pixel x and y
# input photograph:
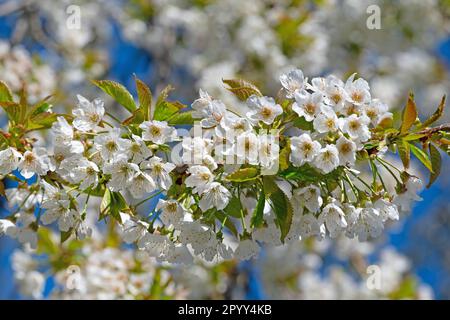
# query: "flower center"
{"type": "Point", "coordinates": [266, 112]}
{"type": "Point", "coordinates": [357, 96]}
{"type": "Point", "coordinates": [111, 145]}
{"type": "Point", "coordinates": [239, 126]}
{"type": "Point", "coordinates": [307, 148]}
{"type": "Point", "coordinates": [29, 158]}
{"type": "Point", "coordinates": [155, 131]}
{"type": "Point", "coordinates": [93, 117]}
{"type": "Point", "coordinates": [330, 123]}
{"type": "Point", "coordinates": [157, 168]}
{"type": "Point", "coordinates": [327, 156]}
{"type": "Point", "coordinates": [336, 97]}
{"type": "Point", "coordinates": [346, 148]}
{"type": "Point", "coordinates": [247, 144]}
{"type": "Point", "coordinates": [352, 110]}
{"type": "Point", "coordinates": [59, 157]}
{"type": "Point", "coordinates": [354, 125]}
{"type": "Point", "coordinates": [135, 148]}
{"type": "Point", "coordinates": [310, 108]}
{"type": "Point", "coordinates": [371, 113]}
{"type": "Point", "coordinates": [124, 169]}
{"type": "Point", "coordinates": [204, 176]}
{"type": "Point", "coordinates": [172, 207]}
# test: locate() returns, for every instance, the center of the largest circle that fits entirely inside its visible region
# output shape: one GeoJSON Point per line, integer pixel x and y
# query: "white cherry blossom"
{"type": "Point", "coordinates": [263, 109]}
{"type": "Point", "coordinates": [88, 114]}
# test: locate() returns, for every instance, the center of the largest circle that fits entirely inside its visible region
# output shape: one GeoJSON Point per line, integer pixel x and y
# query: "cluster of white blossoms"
{"type": "Point", "coordinates": [284, 171]}
{"type": "Point", "coordinates": [386, 277]}
{"type": "Point", "coordinates": [108, 272]}
{"type": "Point", "coordinates": [17, 67]}
{"type": "Point", "coordinates": [100, 273]}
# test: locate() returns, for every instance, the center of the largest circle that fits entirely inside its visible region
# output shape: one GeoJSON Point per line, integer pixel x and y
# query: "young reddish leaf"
{"type": "Point", "coordinates": [436, 115]}
{"type": "Point", "coordinates": [145, 98]}
{"type": "Point", "coordinates": [409, 114]}
{"type": "Point", "coordinates": [242, 88]}
{"type": "Point", "coordinates": [12, 109]}
{"type": "Point", "coordinates": [5, 92]}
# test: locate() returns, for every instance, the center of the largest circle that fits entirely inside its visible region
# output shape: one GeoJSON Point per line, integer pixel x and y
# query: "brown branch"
{"type": "Point", "coordinates": [430, 131]}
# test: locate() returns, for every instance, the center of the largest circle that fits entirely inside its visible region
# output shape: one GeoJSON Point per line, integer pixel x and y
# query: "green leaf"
{"type": "Point", "coordinates": [305, 173]}
{"type": "Point", "coordinates": [258, 214]}
{"type": "Point", "coordinates": [284, 156]}
{"type": "Point", "coordinates": [39, 107]}
{"type": "Point", "coordinates": [228, 223]}
{"type": "Point", "coordinates": [98, 191]}
{"type": "Point", "coordinates": [414, 136]}
{"type": "Point", "coordinates": [23, 105]}
{"type": "Point", "coordinates": [64, 235]}
{"type": "Point", "coordinates": [181, 118]}
{"type": "Point", "coordinates": [422, 156]}
{"type": "Point", "coordinates": [145, 98]}
{"type": "Point", "coordinates": [270, 185]}
{"type": "Point", "coordinates": [42, 120]}
{"type": "Point", "coordinates": [241, 175]}
{"type": "Point", "coordinates": [404, 152]}
{"type": "Point", "coordinates": [118, 92]}
{"type": "Point", "coordinates": [436, 163]}
{"type": "Point", "coordinates": [5, 92]}
{"type": "Point", "coordinates": [241, 88]}
{"type": "Point", "coordinates": [164, 94]}
{"type": "Point", "coordinates": [136, 117]}
{"type": "Point", "coordinates": [409, 114]}
{"type": "Point", "coordinates": [374, 170]}
{"type": "Point", "coordinates": [301, 123]}
{"type": "Point", "coordinates": [45, 244]}
{"type": "Point", "coordinates": [436, 115]}
{"type": "Point", "coordinates": [2, 189]}
{"type": "Point", "coordinates": [234, 207]}
{"type": "Point", "coordinates": [166, 109]}
{"type": "Point", "coordinates": [112, 204]}
{"type": "Point", "coordinates": [283, 212]}
{"type": "Point", "coordinates": [119, 204]}
{"type": "Point", "coordinates": [12, 110]}
{"type": "Point", "coordinates": [105, 205]}
{"type": "Point", "coordinates": [405, 290]}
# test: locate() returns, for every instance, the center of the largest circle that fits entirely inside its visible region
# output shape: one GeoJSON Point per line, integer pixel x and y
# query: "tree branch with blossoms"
{"type": "Point", "coordinates": [312, 162]}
